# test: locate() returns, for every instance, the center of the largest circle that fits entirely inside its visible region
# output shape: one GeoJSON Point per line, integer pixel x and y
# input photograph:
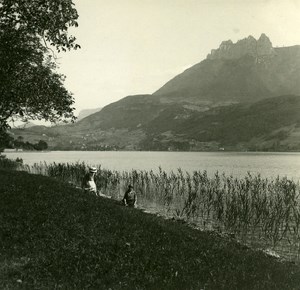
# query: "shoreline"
{"type": "Point", "coordinates": [71, 240]}
{"type": "Point", "coordinates": [237, 207]}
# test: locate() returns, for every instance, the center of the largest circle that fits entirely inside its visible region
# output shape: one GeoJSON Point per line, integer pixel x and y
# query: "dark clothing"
{"type": "Point", "coordinates": [130, 197]}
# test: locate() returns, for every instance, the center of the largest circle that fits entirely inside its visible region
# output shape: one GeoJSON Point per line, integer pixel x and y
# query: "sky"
{"type": "Point", "coordinates": [135, 46]}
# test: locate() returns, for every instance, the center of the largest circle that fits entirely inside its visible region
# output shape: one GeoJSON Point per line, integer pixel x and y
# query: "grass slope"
{"type": "Point", "coordinates": [54, 236]}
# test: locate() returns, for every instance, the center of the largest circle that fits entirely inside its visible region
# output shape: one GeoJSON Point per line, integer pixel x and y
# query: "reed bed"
{"type": "Point", "coordinates": [262, 212]}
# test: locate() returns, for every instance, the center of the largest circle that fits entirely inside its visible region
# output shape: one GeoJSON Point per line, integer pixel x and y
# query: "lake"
{"type": "Point", "coordinates": [232, 163]}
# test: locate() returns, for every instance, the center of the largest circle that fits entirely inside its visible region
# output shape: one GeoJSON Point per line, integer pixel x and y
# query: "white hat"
{"type": "Point", "coordinates": [92, 169]}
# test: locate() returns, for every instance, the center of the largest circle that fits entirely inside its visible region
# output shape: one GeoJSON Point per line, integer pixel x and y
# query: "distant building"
{"type": "Point", "coordinates": [9, 150]}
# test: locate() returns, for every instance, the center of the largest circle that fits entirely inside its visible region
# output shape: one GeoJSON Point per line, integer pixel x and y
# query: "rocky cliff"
{"type": "Point", "coordinates": [247, 71]}
{"type": "Point", "coordinates": [246, 46]}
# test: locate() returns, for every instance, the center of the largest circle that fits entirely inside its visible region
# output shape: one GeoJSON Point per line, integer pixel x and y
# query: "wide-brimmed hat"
{"type": "Point", "coordinates": [92, 169]}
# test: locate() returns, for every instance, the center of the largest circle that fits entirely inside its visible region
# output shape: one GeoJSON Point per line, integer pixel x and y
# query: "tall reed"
{"type": "Point", "coordinates": [260, 211]}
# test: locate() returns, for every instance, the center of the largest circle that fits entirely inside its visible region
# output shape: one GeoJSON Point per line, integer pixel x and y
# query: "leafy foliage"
{"type": "Point", "coordinates": [5, 139]}
{"type": "Point", "coordinates": [49, 19]}
{"type": "Point", "coordinates": [6, 163]}
{"type": "Point", "coordinates": [20, 144]}
{"type": "Point", "coordinates": [30, 88]}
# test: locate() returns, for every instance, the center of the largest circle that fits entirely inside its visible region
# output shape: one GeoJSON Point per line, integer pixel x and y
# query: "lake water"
{"type": "Point", "coordinates": [232, 163]}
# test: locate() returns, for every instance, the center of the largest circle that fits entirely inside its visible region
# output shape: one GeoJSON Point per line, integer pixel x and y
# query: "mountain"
{"type": "Point", "coordinates": [23, 125]}
{"type": "Point", "coordinates": [270, 124]}
{"type": "Point", "coordinates": [243, 96]}
{"type": "Point", "coordinates": [247, 71]}
{"type": "Point", "coordinates": [84, 113]}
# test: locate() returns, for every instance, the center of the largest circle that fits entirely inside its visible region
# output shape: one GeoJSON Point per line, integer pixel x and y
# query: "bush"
{"type": "Point", "coordinates": [6, 163]}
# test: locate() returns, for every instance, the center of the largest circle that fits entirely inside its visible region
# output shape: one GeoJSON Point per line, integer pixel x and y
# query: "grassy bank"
{"type": "Point", "coordinates": [54, 236]}
{"type": "Point", "coordinates": [261, 212]}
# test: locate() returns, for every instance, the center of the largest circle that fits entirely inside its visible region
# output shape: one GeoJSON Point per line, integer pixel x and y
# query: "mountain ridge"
{"type": "Point", "coordinates": [86, 112]}
{"type": "Point", "coordinates": [193, 110]}
{"type": "Point", "coordinates": [251, 46]}
{"type": "Point", "coordinates": [244, 77]}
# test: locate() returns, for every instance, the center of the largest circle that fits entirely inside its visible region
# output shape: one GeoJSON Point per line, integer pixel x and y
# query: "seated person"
{"type": "Point", "coordinates": [88, 183]}
{"type": "Point", "coordinates": [129, 198]}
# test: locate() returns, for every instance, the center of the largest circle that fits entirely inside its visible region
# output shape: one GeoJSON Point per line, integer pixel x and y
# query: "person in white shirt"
{"type": "Point", "coordinates": [88, 183]}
